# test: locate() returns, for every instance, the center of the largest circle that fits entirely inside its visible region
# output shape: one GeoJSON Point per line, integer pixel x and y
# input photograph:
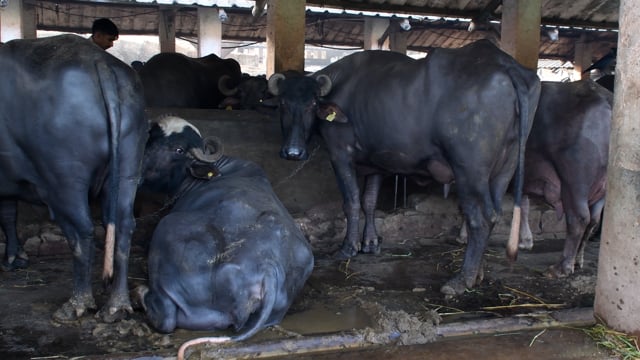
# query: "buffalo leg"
{"type": "Point", "coordinates": [14, 256]}
{"type": "Point", "coordinates": [577, 218]}
{"type": "Point", "coordinates": [161, 312]}
{"type": "Point", "coordinates": [480, 218]}
{"type": "Point", "coordinates": [348, 184]}
{"type": "Point", "coordinates": [119, 302]}
{"type": "Point", "coordinates": [596, 216]}
{"type": "Point", "coordinates": [526, 237]}
{"type": "Point", "coordinates": [75, 222]}
{"type": "Point", "coordinates": [370, 239]}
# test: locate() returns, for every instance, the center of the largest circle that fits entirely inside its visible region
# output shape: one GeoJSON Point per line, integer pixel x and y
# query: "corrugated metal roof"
{"type": "Point", "coordinates": [337, 27]}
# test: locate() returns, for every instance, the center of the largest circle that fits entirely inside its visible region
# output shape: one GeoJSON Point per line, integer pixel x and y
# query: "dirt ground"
{"type": "Point", "coordinates": [392, 295]}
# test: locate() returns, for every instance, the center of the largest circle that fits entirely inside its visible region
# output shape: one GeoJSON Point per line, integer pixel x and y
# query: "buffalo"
{"type": "Point", "coordinates": [72, 128]}
{"type": "Point", "coordinates": [251, 94]}
{"type": "Point", "coordinates": [228, 254]}
{"type": "Point", "coordinates": [176, 80]}
{"type": "Point", "coordinates": [458, 114]}
{"type": "Point", "coordinates": [566, 164]}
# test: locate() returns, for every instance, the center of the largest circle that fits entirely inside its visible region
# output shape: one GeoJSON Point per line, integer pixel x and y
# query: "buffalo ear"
{"type": "Point", "coordinates": [331, 112]}
{"type": "Point", "coordinates": [204, 171]}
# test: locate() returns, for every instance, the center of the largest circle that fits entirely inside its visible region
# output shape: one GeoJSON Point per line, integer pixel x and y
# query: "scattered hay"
{"type": "Point", "coordinates": [621, 344]}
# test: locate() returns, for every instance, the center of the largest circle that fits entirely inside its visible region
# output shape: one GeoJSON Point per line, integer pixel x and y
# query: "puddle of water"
{"type": "Point", "coordinates": [321, 320]}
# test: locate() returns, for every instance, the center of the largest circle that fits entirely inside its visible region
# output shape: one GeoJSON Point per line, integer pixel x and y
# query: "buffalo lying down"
{"type": "Point", "coordinates": [228, 254]}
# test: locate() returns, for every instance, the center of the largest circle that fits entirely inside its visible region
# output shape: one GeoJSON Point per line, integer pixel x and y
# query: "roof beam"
{"type": "Point", "coordinates": [443, 12]}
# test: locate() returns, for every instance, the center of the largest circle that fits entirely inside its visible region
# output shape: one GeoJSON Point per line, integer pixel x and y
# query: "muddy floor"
{"type": "Point", "coordinates": [394, 295]}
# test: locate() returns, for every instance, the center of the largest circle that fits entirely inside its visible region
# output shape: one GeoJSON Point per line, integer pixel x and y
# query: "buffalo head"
{"type": "Point", "coordinates": [176, 151]}
{"type": "Point", "coordinates": [300, 103]}
{"type": "Point", "coordinates": [251, 93]}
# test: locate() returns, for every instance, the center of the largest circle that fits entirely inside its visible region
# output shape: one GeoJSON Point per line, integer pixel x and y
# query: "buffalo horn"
{"type": "Point", "coordinates": [325, 84]}
{"type": "Point", "coordinates": [214, 150]}
{"type": "Point", "coordinates": [274, 80]}
{"type": "Point", "coordinates": [224, 89]}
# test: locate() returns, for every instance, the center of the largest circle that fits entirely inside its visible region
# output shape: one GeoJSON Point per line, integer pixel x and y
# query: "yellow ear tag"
{"type": "Point", "coordinates": [210, 174]}
{"type": "Point", "coordinates": [331, 116]}
{"type": "Point", "coordinates": [229, 107]}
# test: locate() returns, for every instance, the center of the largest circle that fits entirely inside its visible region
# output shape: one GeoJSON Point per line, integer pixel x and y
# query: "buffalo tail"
{"type": "Point", "coordinates": [522, 92]}
{"type": "Point", "coordinates": [108, 85]}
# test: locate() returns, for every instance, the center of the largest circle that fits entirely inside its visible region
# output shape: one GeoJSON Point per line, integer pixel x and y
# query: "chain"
{"type": "Point", "coordinates": [298, 168]}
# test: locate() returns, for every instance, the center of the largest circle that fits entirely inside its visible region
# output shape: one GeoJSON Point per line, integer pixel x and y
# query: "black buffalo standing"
{"type": "Point", "coordinates": [176, 80]}
{"type": "Point", "coordinates": [460, 114]}
{"type": "Point", "coordinates": [228, 253]}
{"type": "Point", "coordinates": [566, 162]}
{"type": "Point", "coordinates": [72, 126]}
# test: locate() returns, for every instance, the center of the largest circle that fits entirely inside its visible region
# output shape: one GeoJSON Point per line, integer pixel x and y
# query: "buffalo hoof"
{"type": "Point", "coordinates": [526, 243]}
{"type": "Point", "coordinates": [74, 309]}
{"type": "Point", "coordinates": [107, 316]}
{"type": "Point", "coordinates": [372, 246]}
{"type": "Point", "coordinates": [17, 263]}
{"type": "Point", "coordinates": [558, 271]}
{"type": "Point", "coordinates": [118, 308]}
{"type": "Point", "coordinates": [454, 287]}
{"type": "Point", "coordinates": [345, 252]}
{"type": "Point", "coordinates": [137, 297]}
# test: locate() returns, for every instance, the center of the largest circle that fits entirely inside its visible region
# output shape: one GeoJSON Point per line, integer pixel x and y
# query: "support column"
{"type": "Point", "coordinates": [167, 29]}
{"type": "Point", "coordinates": [582, 57]}
{"type": "Point", "coordinates": [397, 37]}
{"type": "Point", "coordinates": [285, 35]}
{"type": "Point", "coordinates": [520, 34]}
{"type": "Point", "coordinates": [209, 32]}
{"type": "Point", "coordinates": [11, 21]}
{"type": "Point", "coordinates": [29, 21]}
{"type": "Point", "coordinates": [374, 30]}
{"type": "Point", "coordinates": [618, 284]}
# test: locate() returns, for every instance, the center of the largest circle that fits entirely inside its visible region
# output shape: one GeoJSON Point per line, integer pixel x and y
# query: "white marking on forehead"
{"type": "Point", "coordinates": [174, 124]}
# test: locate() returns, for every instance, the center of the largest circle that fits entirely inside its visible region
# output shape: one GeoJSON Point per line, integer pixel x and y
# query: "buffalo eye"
{"type": "Point", "coordinates": [179, 151]}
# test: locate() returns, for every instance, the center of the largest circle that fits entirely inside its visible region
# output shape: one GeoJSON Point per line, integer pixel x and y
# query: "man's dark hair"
{"type": "Point", "coordinates": [104, 25]}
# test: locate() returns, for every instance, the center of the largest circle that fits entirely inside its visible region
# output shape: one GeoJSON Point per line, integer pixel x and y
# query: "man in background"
{"type": "Point", "coordinates": [104, 32]}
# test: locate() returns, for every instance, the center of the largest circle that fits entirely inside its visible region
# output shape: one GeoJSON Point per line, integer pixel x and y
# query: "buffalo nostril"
{"type": "Point", "coordinates": [293, 153]}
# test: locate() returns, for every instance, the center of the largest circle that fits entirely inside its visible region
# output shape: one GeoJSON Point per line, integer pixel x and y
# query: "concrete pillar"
{"type": "Point", "coordinates": [582, 57]}
{"type": "Point", "coordinates": [617, 302]}
{"type": "Point", "coordinates": [29, 20]}
{"type": "Point", "coordinates": [520, 34]}
{"type": "Point", "coordinates": [374, 30]}
{"type": "Point", "coordinates": [167, 29]}
{"type": "Point", "coordinates": [11, 21]}
{"type": "Point", "coordinates": [285, 35]}
{"type": "Point", "coordinates": [209, 31]}
{"type": "Point", "coordinates": [397, 37]}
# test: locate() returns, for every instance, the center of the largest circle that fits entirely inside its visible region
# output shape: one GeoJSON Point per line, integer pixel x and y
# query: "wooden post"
{"type": "Point", "coordinates": [285, 35]}
{"type": "Point", "coordinates": [209, 31]}
{"type": "Point", "coordinates": [167, 29]}
{"type": "Point", "coordinates": [29, 21]}
{"type": "Point", "coordinates": [397, 37]}
{"type": "Point", "coordinates": [582, 57]}
{"type": "Point", "coordinates": [520, 34]}
{"type": "Point", "coordinates": [618, 284]}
